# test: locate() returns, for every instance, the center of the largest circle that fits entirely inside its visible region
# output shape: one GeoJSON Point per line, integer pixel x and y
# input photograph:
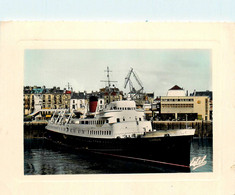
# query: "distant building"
{"type": "Point", "coordinates": [110, 94]}
{"type": "Point", "coordinates": [185, 107]}
{"type": "Point", "coordinates": [37, 98]}
{"type": "Point", "coordinates": [177, 106]}
{"type": "Point", "coordinates": [78, 102]}
{"type": "Point", "coordinates": [208, 94]}
{"type": "Point", "coordinates": [176, 91]}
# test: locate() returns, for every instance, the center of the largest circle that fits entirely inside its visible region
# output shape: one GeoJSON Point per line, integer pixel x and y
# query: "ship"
{"type": "Point", "coordinates": [121, 130]}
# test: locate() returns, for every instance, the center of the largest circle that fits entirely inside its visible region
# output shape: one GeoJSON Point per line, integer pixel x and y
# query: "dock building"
{"type": "Point", "coordinates": [177, 106]}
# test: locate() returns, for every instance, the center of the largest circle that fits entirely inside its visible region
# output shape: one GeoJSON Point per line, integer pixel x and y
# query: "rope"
{"type": "Point", "coordinates": [141, 159]}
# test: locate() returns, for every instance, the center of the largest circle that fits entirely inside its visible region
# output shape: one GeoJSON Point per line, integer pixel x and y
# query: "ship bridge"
{"type": "Point", "coordinates": [122, 105]}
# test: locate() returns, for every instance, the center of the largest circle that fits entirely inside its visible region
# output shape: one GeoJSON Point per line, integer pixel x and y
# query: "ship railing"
{"type": "Point", "coordinates": [53, 117]}
{"type": "Point", "coordinates": [69, 118]}
{"type": "Point", "coordinates": [61, 117]}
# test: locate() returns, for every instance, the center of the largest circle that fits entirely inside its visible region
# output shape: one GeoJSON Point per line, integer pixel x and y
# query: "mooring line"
{"type": "Point", "coordinates": [141, 159]}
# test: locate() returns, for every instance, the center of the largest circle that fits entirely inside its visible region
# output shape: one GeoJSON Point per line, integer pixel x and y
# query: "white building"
{"type": "Point", "coordinates": [37, 102]}
{"type": "Point", "coordinates": [78, 102]}
{"type": "Point", "coordinates": [176, 91]}
{"type": "Point", "coordinates": [178, 106]}
{"type": "Point", "coordinates": [100, 104]}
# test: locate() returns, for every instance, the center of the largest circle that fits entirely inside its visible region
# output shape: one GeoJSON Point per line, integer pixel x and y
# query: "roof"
{"type": "Point", "coordinates": [78, 96]}
{"type": "Point", "coordinates": [204, 93]}
{"type": "Point", "coordinates": [176, 87]}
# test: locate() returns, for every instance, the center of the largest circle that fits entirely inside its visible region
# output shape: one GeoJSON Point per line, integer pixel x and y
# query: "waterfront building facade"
{"type": "Point", "coordinates": [178, 106]}
{"type": "Point", "coordinates": [41, 98]}
{"type": "Point", "coordinates": [185, 108]}
{"type": "Point", "coordinates": [208, 94]}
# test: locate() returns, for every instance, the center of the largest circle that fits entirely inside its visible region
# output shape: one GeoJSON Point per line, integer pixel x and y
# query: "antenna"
{"type": "Point", "coordinates": [69, 86]}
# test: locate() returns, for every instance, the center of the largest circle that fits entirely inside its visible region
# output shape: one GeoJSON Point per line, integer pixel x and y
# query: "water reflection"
{"type": "Point", "coordinates": [45, 158]}
{"type": "Point", "coordinates": [200, 148]}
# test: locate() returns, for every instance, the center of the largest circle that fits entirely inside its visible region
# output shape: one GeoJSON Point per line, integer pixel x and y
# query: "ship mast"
{"type": "Point", "coordinates": [109, 82]}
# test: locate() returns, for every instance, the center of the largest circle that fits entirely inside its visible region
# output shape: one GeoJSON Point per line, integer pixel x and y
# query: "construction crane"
{"type": "Point", "coordinates": [135, 94]}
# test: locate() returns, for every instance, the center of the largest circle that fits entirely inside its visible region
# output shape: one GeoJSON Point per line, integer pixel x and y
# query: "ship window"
{"type": "Point", "coordinates": [82, 122]}
{"type": "Point", "coordinates": [118, 120]}
{"type": "Point", "coordinates": [86, 122]}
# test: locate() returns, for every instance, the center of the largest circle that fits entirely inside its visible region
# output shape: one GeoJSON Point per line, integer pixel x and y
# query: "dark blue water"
{"type": "Point", "coordinates": [42, 157]}
{"type": "Point", "coordinates": [202, 148]}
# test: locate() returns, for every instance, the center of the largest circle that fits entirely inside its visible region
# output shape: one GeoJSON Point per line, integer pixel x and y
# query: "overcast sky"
{"type": "Point", "coordinates": [158, 70]}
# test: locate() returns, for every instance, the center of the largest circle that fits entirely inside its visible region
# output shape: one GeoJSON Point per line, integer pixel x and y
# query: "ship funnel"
{"type": "Point", "coordinates": [93, 100]}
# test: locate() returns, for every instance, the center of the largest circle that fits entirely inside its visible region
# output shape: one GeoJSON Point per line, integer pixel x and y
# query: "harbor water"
{"type": "Point", "coordinates": [42, 157]}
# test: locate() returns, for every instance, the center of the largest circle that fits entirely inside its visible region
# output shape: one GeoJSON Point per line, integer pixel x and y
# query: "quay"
{"type": "Point", "coordinates": [34, 129]}
{"type": "Point", "coordinates": [204, 129]}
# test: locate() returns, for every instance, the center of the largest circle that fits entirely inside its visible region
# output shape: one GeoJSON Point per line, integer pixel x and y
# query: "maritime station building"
{"type": "Point", "coordinates": [177, 105]}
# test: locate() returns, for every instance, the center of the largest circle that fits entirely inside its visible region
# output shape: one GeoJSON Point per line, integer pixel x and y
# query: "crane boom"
{"type": "Point", "coordinates": [128, 80]}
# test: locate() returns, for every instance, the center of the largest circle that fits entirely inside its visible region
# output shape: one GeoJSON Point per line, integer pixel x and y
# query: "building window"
{"type": "Point", "coordinates": [118, 120]}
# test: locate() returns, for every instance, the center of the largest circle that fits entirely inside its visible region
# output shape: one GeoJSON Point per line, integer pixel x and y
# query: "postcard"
{"type": "Point", "coordinates": [117, 107]}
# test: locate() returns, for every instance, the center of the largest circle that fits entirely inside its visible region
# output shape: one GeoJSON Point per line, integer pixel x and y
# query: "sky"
{"type": "Point", "coordinates": [121, 10]}
{"type": "Point", "coordinates": [158, 70]}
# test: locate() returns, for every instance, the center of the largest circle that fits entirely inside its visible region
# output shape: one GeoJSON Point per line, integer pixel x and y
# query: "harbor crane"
{"type": "Point", "coordinates": [135, 94]}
